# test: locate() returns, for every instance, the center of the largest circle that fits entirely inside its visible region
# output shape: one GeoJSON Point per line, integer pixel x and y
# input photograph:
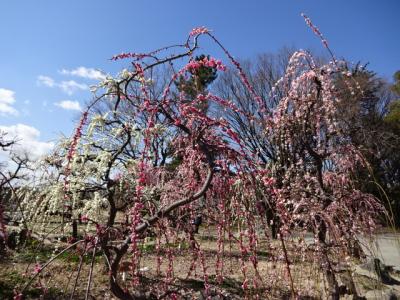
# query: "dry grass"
{"type": "Point", "coordinates": [272, 281]}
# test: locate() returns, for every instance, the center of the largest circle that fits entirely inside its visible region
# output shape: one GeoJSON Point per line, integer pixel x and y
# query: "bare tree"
{"type": "Point", "coordinates": [12, 172]}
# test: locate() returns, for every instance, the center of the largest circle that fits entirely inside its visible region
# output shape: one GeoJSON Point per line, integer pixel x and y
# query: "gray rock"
{"type": "Point", "coordinates": [382, 295]}
{"type": "Point", "coordinates": [375, 266]}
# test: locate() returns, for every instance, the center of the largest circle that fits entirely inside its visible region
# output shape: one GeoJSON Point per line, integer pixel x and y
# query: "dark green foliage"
{"type": "Point", "coordinates": [396, 85]}
{"type": "Point", "coordinates": [371, 120]}
{"type": "Point", "coordinates": [393, 116]}
{"type": "Point", "coordinates": [199, 80]}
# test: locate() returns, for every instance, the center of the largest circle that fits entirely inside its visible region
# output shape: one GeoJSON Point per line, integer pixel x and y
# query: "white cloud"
{"type": "Point", "coordinates": [68, 87]}
{"type": "Point", "coordinates": [46, 80]}
{"type": "Point", "coordinates": [6, 101]}
{"type": "Point", "coordinates": [72, 86]}
{"type": "Point", "coordinates": [27, 140]}
{"type": "Point", "coordinates": [69, 105]}
{"type": "Point", "coordinates": [84, 72]}
{"type": "Point", "coordinates": [7, 96]}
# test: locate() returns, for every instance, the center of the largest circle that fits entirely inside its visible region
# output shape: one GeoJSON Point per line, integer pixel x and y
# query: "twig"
{"type": "Point", "coordinates": [77, 275]}
{"type": "Point", "coordinates": [91, 271]}
{"type": "Point", "coordinates": [47, 263]}
{"type": "Point", "coordinates": [288, 267]}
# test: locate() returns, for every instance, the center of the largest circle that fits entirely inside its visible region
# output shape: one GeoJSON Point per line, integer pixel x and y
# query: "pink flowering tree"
{"type": "Point", "coordinates": [149, 156]}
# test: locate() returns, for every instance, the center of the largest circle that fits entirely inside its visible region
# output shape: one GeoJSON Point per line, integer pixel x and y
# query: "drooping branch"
{"type": "Point", "coordinates": [120, 252]}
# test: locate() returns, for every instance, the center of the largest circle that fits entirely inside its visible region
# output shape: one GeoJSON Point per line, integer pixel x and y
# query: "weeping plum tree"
{"type": "Point", "coordinates": [121, 177]}
{"type": "Point", "coordinates": [262, 73]}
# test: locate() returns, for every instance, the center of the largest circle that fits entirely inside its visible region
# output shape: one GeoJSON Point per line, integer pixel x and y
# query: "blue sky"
{"type": "Point", "coordinates": [43, 44]}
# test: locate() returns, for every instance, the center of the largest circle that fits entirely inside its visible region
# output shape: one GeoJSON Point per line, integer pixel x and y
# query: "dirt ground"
{"type": "Point", "coordinates": [271, 282]}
